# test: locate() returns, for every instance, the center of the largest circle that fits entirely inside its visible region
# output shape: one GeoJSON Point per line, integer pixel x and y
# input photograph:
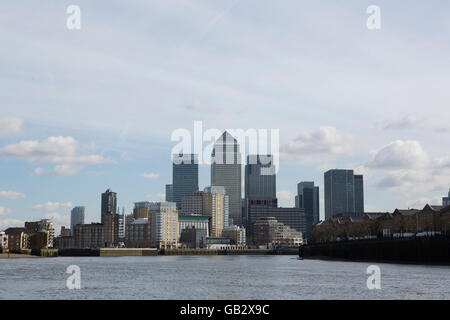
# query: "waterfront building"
{"type": "Point", "coordinates": [63, 242]}
{"type": "Point", "coordinates": [164, 225]}
{"type": "Point", "coordinates": [446, 200]}
{"type": "Point", "coordinates": [216, 205]}
{"type": "Point", "coordinates": [236, 234]}
{"type": "Point", "coordinates": [121, 226]}
{"type": "Point", "coordinates": [89, 236]}
{"type": "Point", "coordinates": [43, 224]}
{"type": "Point", "coordinates": [65, 232]}
{"type": "Point", "coordinates": [192, 204]}
{"type": "Point", "coordinates": [111, 229]}
{"type": "Point", "coordinates": [308, 198]}
{"type": "Point", "coordinates": [193, 221]}
{"type": "Point", "coordinates": [184, 176]}
{"type": "Point", "coordinates": [291, 217]}
{"type": "Point", "coordinates": [109, 202]}
{"type": "Point", "coordinates": [77, 216]}
{"type": "Point", "coordinates": [39, 240]}
{"type": "Point", "coordinates": [138, 234]}
{"type": "Point", "coordinates": [169, 192]}
{"type": "Point", "coordinates": [269, 232]}
{"type": "Point", "coordinates": [344, 192]}
{"type": "Point", "coordinates": [3, 240]}
{"type": "Point", "coordinates": [192, 237]}
{"type": "Point", "coordinates": [226, 171]}
{"type": "Point", "coordinates": [17, 239]}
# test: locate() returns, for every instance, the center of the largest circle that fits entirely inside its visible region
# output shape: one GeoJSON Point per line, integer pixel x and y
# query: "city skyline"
{"type": "Point", "coordinates": [62, 143]}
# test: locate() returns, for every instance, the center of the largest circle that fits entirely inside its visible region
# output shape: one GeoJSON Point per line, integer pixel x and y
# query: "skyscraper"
{"type": "Point", "coordinates": [109, 202]}
{"type": "Point", "coordinates": [77, 216]}
{"type": "Point", "coordinates": [184, 176]}
{"type": "Point", "coordinates": [308, 198]}
{"type": "Point", "coordinates": [226, 172]}
{"type": "Point", "coordinates": [342, 194]}
{"type": "Point", "coordinates": [260, 177]}
{"type": "Point", "coordinates": [216, 205]}
{"type": "Point", "coordinates": [169, 192]}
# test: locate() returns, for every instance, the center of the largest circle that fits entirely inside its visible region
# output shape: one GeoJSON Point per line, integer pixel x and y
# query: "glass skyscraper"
{"type": "Point", "coordinates": [226, 172]}
{"type": "Point", "coordinates": [184, 177]}
{"type": "Point", "coordinates": [77, 216]}
{"type": "Point", "coordinates": [344, 193]}
{"type": "Point", "coordinates": [308, 198]}
{"type": "Point", "coordinates": [260, 177]}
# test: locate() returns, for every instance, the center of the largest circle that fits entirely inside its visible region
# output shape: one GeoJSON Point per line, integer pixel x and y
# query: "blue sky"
{"type": "Point", "coordinates": [86, 110]}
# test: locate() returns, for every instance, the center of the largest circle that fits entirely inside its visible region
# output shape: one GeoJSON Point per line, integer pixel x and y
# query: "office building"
{"type": "Point", "coordinates": [184, 176]}
{"type": "Point", "coordinates": [109, 202]}
{"type": "Point", "coordinates": [77, 216]}
{"type": "Point", "coordinates": [308, 198]}
{"type": "Point", "coordinates": [169, 192]}
{"type": "Point", "coordinates": [226, 171]}
{"type": "Point", "coordinates": [342, 193]}
{"type": "Point", "coordinates": [192, 237]}
{"type": "Point", "coordinates": [236, 234]}
{"type": "Point", "coordinates": [260, 177]}
{"type": "Point", "coordinates": [216, 205]}
{"type": "Point", "coordinates": [164, 225]}
{"type": "Point", "coordinates": [192, 204]}
{"type": "Point", "coordinates": [141, 209]}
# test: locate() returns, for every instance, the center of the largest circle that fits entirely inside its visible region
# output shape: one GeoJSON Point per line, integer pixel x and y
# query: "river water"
{"type": "Point", "coordinates": [217, 277]}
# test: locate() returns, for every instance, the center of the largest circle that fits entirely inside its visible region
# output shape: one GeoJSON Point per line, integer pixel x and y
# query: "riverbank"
{"type": "Point", "coordinates": [424, 251]}
{"type": "Point", "coordinates": [17, 256]}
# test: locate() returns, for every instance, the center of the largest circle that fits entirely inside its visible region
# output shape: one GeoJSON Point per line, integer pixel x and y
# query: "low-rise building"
{"type": "Point", "coordinates": [89, 236]}
{"type": "Point", "coordinates": [43, 224]}
{"type": "Point", "coordinates": [236, 234]}
{"type": "Point", "coordinates": [39, 240]}
{"type": "Point", "coordinates": [269, 232]}
{"type": "Point", "coordinates": [137, 234]}
{"type": "Point", "coordinates": [3, 240]}
{"type": "Point", "coordinates": [17, 239]}
{"type": "Point", "coordinates": [192, 237]}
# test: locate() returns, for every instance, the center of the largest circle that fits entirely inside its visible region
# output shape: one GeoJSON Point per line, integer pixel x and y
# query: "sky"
{"type": "Point", "coordinates": [84, 110]}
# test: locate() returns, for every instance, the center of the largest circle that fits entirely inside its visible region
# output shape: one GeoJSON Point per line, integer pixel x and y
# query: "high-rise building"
{"type": "Point", "coordinates": [169, 192]}
{"type": "Point", "coordinates": [216, 206]}
{"type": "Point", "coordinates": [109, 202]}
{"type": "Point", "coordinates": [77, 216]}
{"type": "Point", "coordinates": [226, 172]}
{"type": "Point", "coordinates": [446, 200]}
{"type": "Point", "coordinates": [111, 227]}
{"type": "Point", "coordinates": [141, 209]}
{"type": "Point", "coordinates": [342, 193]}
{"type": "Point", "coordinates": [260, 177]}
{"type": "Point", "coordinates": [192, 204]}
{"type": "Point", "coordinates": [184, 176]}
{"type": "Point", "coordinates": [308, 198]}
{"type": "Point", "coordinates": [164, 224]}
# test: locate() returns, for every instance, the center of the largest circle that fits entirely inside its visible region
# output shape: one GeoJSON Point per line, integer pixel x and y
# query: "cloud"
{"type": "Point", "coordinates": [400, 155]}
{"type": "Point", "coordinates": [5, 211]}
{"type": "Point", "coordinates": [58, 220]}
{"type": "Point", "coordinates": [323, 141]}
{"type": "Point", "coordinates": [201, 106]}
{"type": "Point", "coordinates": [150, 175]}
{"type": "Point", "coordinates": [12, 195]}
{"type": "Point", "coordinates": [405, 122]}
{"type": "Point", "coordinates": [285, 198]}
{"type": "Point", "coordinates": [10, 126]}
{"type": "Point", "coordinates": [9, 223]}
{"type": "Point", "coordinates": [63, 151]}
{"type": "Point", "coordinates": [52, 206]}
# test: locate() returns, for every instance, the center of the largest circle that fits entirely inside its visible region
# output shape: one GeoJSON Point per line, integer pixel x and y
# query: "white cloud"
{"type": "Point", "coordinates": [9, 223]}
{"type": "Point", "coordinates": [285, 198]}
{"type": "Point", "coordinates": [405, 122]}
{"type": "Point", "coordinates": [12, 195]}
{"type": "Point", "coordinates": [323, 141]}
{"type": "Point", "coordinates": [150, 175]}
{"type": "Point", "coordinates": [52, 206]}
{"type": "Point", "coordinates": [5, 211]}
{"type": "Point", "coordinates": [9, 126]}
{"type": "Point", "coordinates": [400, 155]}
{"type": "Point", "coordinates": [63, 151]}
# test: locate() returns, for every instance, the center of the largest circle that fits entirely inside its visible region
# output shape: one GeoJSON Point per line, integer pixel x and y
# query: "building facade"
{"type": "Point", "coordinates": [109, 202]}
{"type": "Point", "coordinates": [216, 206]}
{"type": "Point", "coordinates": [184, 176]}
{"type": "Point", "coordinates": [138, 234]}
{"type": "Point", "coordinates": [169, 192]}
{"type": "Point", "coordinates": [37, 226]}
{"type": "Point", "coordinates": [192, 204]}
{"type": "Point", "coordinates": [193, 221]}
{"type": "Point", "coordinates": [342, 194]}
{"type": "Point", "coordinates": [236, 234]}
{"type": "Point", "coordinates": [164, 225]}
{"type": "Point", "coordinates": [88, 236]}
{"type": "Point", "coordinates": [269, 232]}
{"type": "Point", "coordinates": [111, 229]}
{"type": "Point", "coordinates": [308, 198]}
{"type": "Point", "coordinates": [226, 171]}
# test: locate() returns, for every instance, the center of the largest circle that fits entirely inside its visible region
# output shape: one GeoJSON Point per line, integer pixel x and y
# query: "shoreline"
{"type": "Point", "coordinates": [18, 256]}
{"type": "Point", "coordinates": [422, 263]}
